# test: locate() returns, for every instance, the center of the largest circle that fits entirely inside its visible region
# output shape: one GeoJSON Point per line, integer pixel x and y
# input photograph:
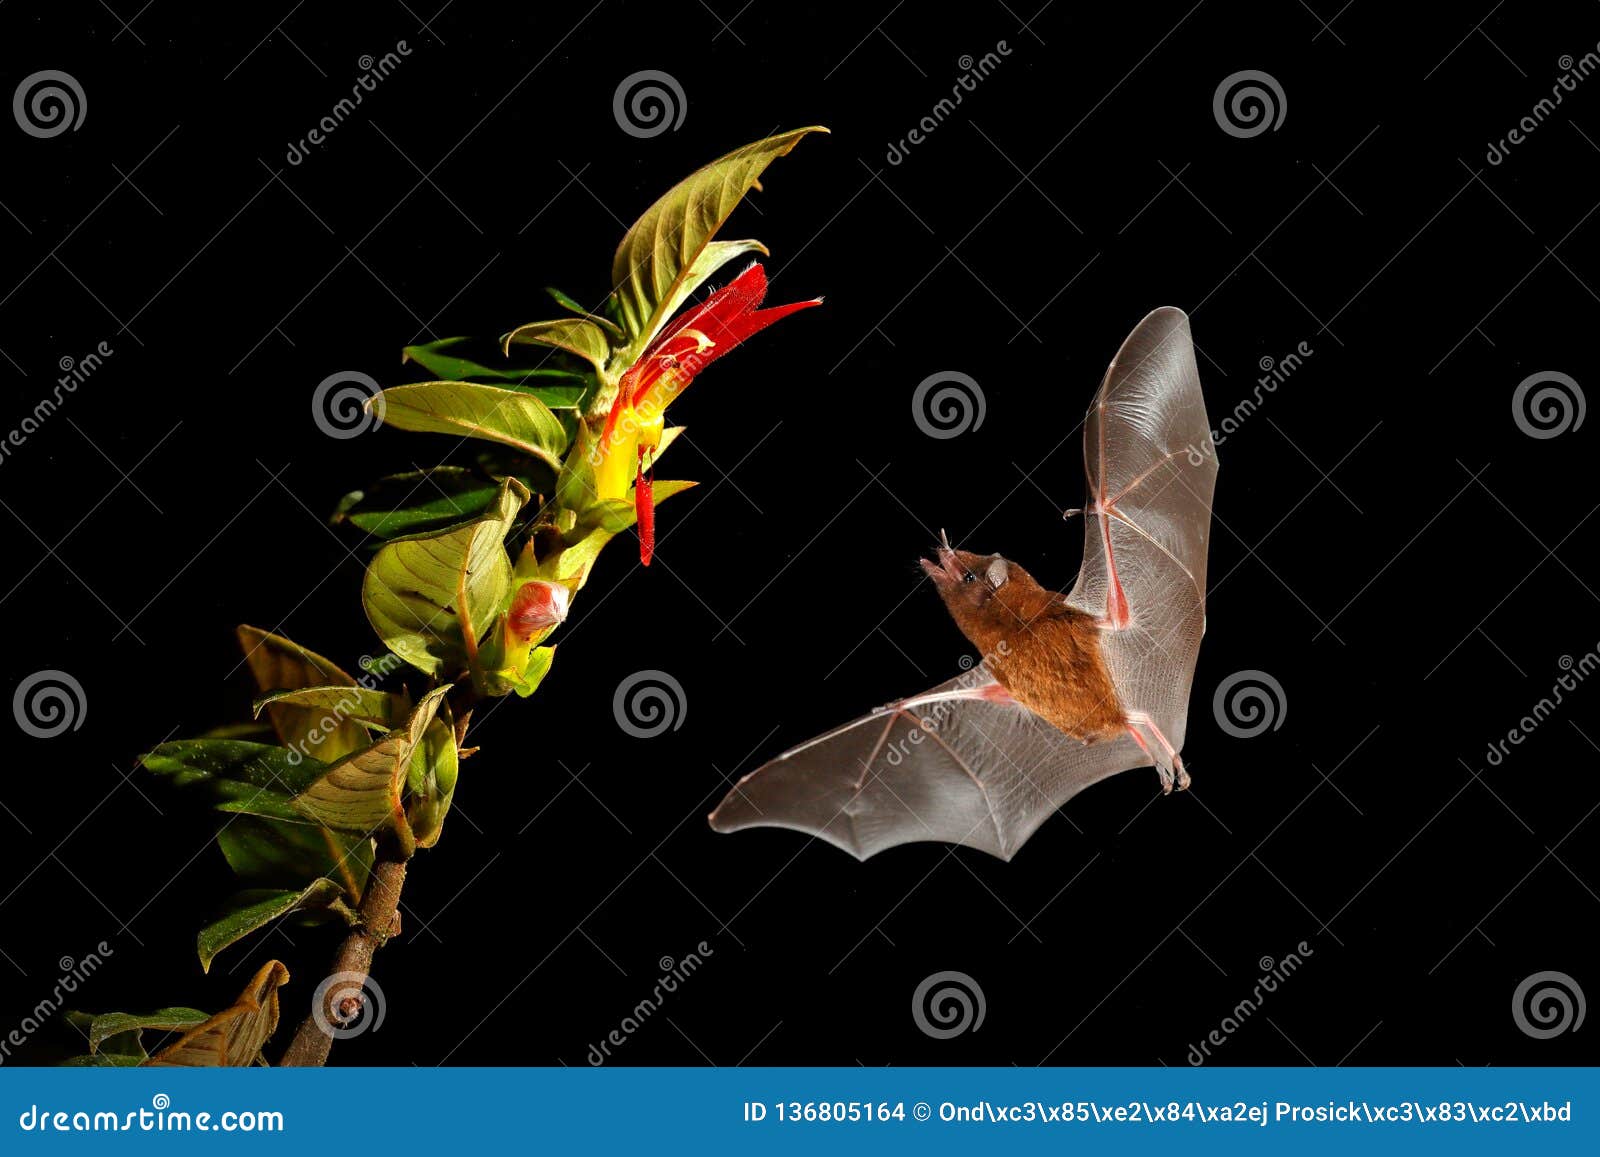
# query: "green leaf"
{"type": "Point", "coordinates": [571, 306]}
{"type": "Point", "coordinates": [583, 337]}
{"type": "Point", "coordinates": [361, 704]}
{"type": "Point", "coordinates": [362, 793]}
{"type": "Point", "coordinates": [235, 1035]}
{"type": "Point", "coordinates": [431, 781]}
{"type": "Point", "coordinates": [256, 908]}
{"type": "Point", "coordinates": [431, 597]}
{"type": "Point", "coordinates": [237, 776]}
{"type": "Point", "coordinates": [107, 1025]}
{"type": "Point", "coordinates": [469, 409]}
{"type": "Point", "coordinates": [434, 358]}
{"type": "Point", "coordinates": [280, 664]}
{"type": "Point", "coordinates": [418, 500]}
{"type": "Point", "coordinates": [617, 514]}
{"type": "Point", "coordinates": [665, 245]}
{"type": "Point", "coordinates": [538, 667]}
{"type": "Point", "coordinates": [272, 853]}
{"type": "Point", "coordinates": [575, 485]}
{"type": "Point", "coordinates": [105, 1061]}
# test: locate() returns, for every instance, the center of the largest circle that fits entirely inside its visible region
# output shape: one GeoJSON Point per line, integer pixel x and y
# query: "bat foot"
{"type": "Point", "coordinates": [1174, 776]}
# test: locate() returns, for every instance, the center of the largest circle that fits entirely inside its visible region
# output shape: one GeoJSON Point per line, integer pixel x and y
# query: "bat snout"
{"type": "Point", "coordinates": [947, 568]}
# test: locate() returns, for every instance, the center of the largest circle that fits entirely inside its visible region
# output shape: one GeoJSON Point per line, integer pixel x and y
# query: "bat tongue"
{"type": "Point", "coordinates": [946, 569]}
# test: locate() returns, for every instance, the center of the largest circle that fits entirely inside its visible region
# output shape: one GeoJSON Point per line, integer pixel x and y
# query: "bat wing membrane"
{"type": "Point", "coordinates": [958, 771]}
{"type": "Point", "coordinates": [1151, 469]}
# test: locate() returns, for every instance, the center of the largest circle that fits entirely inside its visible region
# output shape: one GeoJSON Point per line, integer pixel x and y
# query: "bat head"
{"type": "Point", "coordinates": [988, 595]}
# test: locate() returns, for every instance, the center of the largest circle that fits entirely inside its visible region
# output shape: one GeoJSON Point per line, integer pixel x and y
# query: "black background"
{"type": "Point", "coordinates": [1389, 546]}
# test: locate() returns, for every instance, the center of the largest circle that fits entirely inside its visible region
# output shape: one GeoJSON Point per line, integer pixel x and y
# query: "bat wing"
{"type": "Point", "coordinates": [951, 765]}
{"type": "Point", "coordinates": [961, 771]}
{"type": "Point", "coordinates": [1151, 467]}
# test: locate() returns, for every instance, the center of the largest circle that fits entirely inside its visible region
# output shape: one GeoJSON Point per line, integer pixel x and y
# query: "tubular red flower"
{"type": "Point", "coordinates": [644, 507]}
{"type": "Point", "coordinates": [703, 334]}
{"type": "Point", "coordinates": [689, 343]}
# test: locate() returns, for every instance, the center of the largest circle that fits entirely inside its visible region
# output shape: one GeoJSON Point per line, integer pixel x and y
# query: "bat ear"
{"type": "Point", "coordinates": [997, 573]}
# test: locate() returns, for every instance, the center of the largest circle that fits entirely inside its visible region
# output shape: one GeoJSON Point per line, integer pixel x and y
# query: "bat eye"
{"type": "Point", "coordinates": [968, 576]}
{"type": "Point", "coordinates": [997, 573]}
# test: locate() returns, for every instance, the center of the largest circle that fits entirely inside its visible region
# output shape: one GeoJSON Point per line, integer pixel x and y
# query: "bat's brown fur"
{"type": "Point", "coordinates": [1041, 650]}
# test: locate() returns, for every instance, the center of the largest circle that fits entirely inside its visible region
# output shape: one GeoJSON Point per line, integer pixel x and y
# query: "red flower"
{"type": "Point", "coordinates": [695, 339]}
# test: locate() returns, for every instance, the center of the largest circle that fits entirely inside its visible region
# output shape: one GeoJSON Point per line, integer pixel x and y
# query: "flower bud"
{"type": "Point", "coordinates": [537, 606]}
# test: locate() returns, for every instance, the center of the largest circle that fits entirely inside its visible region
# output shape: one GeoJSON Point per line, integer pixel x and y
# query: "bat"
{"type": "Point", "coordinates": [1070, 688]}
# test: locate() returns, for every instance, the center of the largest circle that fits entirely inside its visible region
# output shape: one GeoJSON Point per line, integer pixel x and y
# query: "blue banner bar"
{"type": "Point", "coordinates": [1122, 1111]}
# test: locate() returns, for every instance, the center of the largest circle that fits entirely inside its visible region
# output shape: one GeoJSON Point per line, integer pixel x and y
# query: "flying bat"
{"type": "Point", "coordinates": [1070, 688]}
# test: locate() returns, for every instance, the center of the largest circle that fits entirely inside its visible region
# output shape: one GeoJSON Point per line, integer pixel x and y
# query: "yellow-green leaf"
{"type": "Point", "coordinates": [512, 417]}
{"type": "Point", "coordinates": [665, 245]}
{"type": "Point", "coordinates": [431, 597]}
{"type": "Point", "coordinates": [235, 1035]}
{"type": "Point", "coordinates": [431, 782]}
{"type": "Point", "coordinates": [575, 335]}
{"type": "Point", "coordinates": [362, 792]}
{"type": "Point", "coordinates": [279, 664]}
{"type": "Point", "coordinates": [617, 514]}
{"type": "Point", "coordinates": [328, 704]}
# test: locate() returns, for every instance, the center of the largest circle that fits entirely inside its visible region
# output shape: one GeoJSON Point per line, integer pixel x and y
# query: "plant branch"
{"type": "Point", "coordinates": [380, 916]}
